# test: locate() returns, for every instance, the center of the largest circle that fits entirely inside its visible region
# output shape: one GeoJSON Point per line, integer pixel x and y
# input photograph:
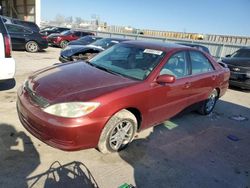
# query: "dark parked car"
{"type": "Point", "coordinates": [198, 46]}
{"type": "Point", "coordinates": [31, 25]}
{"type": "Point", "coordinates": [126, 88]}
{"type": "Point", "coordinates": [76, 52]}
{"type": "Point", "coordinates": [85, 40]}
{"type": "Point", "coordinates": [239, 65]}
{"type": "Point", "coordinates": [65, 37]}
{"type": "Point", "coordinates": [49, 30]}
{"type": "Point", "coordinates": [23, 38]}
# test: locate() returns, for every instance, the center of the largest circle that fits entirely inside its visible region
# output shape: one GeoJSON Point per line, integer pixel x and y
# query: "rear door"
{"type": "Point", "coordinates": [17, 36]}
{"type": "Point", "coordinates": [203, 77]}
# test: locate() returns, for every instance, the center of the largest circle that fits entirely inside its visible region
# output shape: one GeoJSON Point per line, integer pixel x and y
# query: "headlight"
{"type": "Point", "coordinates": [72, 109]}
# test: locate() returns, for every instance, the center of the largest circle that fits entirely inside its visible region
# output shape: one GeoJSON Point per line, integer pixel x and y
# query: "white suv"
{"type": "Point", "coordinates": [7, 63]}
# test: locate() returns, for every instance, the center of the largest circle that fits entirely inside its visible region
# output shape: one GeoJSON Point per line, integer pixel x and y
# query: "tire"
{"type": "Point", "coordinates": [63, 43]}
{"type": "Point", "coordinates": [113, 137]}
{"type": "Point", "coordinates": [208, 105]}
{"type": "Point", "coordinates": [31, 46]}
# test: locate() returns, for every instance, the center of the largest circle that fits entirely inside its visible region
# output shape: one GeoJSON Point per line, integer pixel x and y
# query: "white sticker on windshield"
{"type": "Point", "coordinates": [150, 51]}
{"type": "Point", "coordinates": [114, 41]}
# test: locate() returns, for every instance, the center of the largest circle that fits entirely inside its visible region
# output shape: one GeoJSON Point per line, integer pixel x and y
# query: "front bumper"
{"type": "Point", "coordinates": [64, 59]}
{"type": "Point", "coordinates": [68, 134]}
{"type": "Point", "coordinates": [7, 68]}
{"type": "Point", "coordinates": [241, 80]}
{"type": "Point", "coordinates": [53, 41]}
{"type": "Point", "coordinates": [43, 45]}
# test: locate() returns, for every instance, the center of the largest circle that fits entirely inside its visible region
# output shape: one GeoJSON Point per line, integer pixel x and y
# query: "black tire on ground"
{"type": "Point", "coordinates": [207, 106]}
{"type": "Point", "coordinates": [63, 44]}
{"type": "Point", "coordinates": [31, 46]}
{"type": "Point", "coordinates": [118, 132]}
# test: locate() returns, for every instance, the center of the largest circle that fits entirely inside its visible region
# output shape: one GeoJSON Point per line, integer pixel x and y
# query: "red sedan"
{"type": "Point", "coordinates": [62, 39]}
{"type": "Point", "coordinates": [129, 87]}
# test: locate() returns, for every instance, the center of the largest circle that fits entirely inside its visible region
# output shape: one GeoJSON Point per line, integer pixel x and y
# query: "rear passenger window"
{"type": "Point", "coordinates": [176, 65]}
{"type": "Point", "coordinates": [200, 63]}
{"type": "Point", "coordinates": [14, 29]}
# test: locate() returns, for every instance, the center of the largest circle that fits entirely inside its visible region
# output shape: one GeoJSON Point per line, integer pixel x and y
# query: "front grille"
{"type": "Point", "coordinates": [237, 69]}
{"type": "Point", "coordinates": [34, 97]}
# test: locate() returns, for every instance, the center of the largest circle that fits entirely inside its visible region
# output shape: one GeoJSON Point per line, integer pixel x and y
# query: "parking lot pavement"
{"type": "Point", "coordinates": [188, 151]}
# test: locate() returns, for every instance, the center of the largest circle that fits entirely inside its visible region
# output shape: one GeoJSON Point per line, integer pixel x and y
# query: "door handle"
{"type": "Point", "coordinates": [187, 85]}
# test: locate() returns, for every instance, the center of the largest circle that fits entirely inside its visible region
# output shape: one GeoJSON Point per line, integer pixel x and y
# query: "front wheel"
{"type": "Point", "coordinates": [63, 44]}
{"type": "Point", "coordinates": [208, 105]}
{"type": "Point", "coordinates": [31, 46]}
{"type": "Point", "coordinates": [118, 132]}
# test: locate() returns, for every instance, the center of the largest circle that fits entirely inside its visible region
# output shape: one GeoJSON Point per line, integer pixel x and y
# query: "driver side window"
{"type": "Point", "coordinates": [176, 65]}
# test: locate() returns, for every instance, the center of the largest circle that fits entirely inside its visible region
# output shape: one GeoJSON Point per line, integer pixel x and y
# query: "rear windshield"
{"type": "Point", "coordinates": [65, 33]}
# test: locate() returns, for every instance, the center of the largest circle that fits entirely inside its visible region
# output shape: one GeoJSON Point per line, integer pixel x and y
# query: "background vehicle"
{"type": "Point", "coordinates": [24, 39]}
{"type": "Point", "coordinates": [129, 87]}
{"type": "Point", "coordinates": [85, 40]}
{"type": "Point", "coordinates": [63, 38]}
{"type": "Point", "coordinates": [49, 30]}
{"type": "Point", "coordinates": [76, 52]}
{"type": "Point", "coordinates": [31, 25]}
{"type": "Point", "coordinates": [7, 63]}
{"type": "Point", "coordinates": [239, 65]}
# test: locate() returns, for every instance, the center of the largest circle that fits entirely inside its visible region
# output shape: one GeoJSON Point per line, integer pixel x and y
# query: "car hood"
{"type": "Point", "coordinates": [241, 62]}
{"type": "Point", "coordinates": [74, 49]}
{"type": "Point", "coordinates": [75, 82]}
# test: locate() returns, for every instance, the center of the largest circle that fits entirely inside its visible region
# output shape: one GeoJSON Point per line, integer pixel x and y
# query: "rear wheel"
{"type": "Point", "coordinates": [118, 132]}
{"type": "Point", "coordinates": [63, 44]}
{"type": "Point", "coordinates": [208, 105]}
{"type": "Point", "coordinates": [31, 46]}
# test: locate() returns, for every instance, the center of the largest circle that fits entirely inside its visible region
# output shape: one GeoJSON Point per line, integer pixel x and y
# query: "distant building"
{"type": "Point", "coordinates": [28, 10]}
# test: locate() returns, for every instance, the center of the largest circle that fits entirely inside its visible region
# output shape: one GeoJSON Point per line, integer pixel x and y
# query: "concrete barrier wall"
{"type": "Point", "coordinates": [218, 50]}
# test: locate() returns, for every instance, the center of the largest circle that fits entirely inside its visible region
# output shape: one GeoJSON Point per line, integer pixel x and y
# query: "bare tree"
{"type": "Point", "coordinates": [60, 19]}
{"type": "Point", "coordinates": [78, 20]}
{"type": "Point", "coordinates": [69, 20]}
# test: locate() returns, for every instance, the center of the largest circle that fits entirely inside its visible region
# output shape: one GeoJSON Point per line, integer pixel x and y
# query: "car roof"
{"type": "Point", "coordinates": [163, 46]}
{"type": "Point", "coordinates": [194, 45]}
{"type": "Point", "coordinates": [118, 39]}
{"type": "Point", "coordinates": [245, 48]}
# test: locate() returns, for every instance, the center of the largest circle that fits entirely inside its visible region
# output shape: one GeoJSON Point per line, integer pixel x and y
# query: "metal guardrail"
{"type": "Point", "coordinates": [217, 50]}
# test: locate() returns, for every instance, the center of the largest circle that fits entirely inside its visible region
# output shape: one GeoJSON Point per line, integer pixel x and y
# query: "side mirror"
{"type": "Point", "coordinates": [228, 55]}
{"type": "Point", "coordinates": [165, 79]}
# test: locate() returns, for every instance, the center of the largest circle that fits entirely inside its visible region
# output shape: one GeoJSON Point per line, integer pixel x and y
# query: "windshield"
{"type": "Point", "coordinates": [128, 60]}
{"type": "Point", "coordinates": [105, 43]}
{"type": "Point", "coordinates": [68, 32]}
{"type": "Point", "coordinates": [48, 29]}
{"type": "Point", "coordinates": [243, 53]}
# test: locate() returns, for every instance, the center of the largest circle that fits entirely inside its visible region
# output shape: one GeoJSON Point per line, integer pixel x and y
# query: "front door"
{"type": "Point", "coordinates": [167, 100]}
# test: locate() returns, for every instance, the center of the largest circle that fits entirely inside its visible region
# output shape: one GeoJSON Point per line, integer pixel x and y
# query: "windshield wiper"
{"type": "Point", "coordinates": [103, 68]}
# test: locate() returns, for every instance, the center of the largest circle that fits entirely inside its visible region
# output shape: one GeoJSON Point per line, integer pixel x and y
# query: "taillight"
{"type": "Point", "coordinates": [7, 45]}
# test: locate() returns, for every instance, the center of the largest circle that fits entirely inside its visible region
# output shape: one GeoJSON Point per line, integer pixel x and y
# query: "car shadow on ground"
{"type": "Point", "coordinates": [194, 151]}
{"type": "Point", "coordinates": [18, 157]}
{"type": "Point", "coordinates": [7, 84]}
{"type": "Point", "coordinates": [239, 89]}
{"type": "Point", "coordinates": [74, 174]}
